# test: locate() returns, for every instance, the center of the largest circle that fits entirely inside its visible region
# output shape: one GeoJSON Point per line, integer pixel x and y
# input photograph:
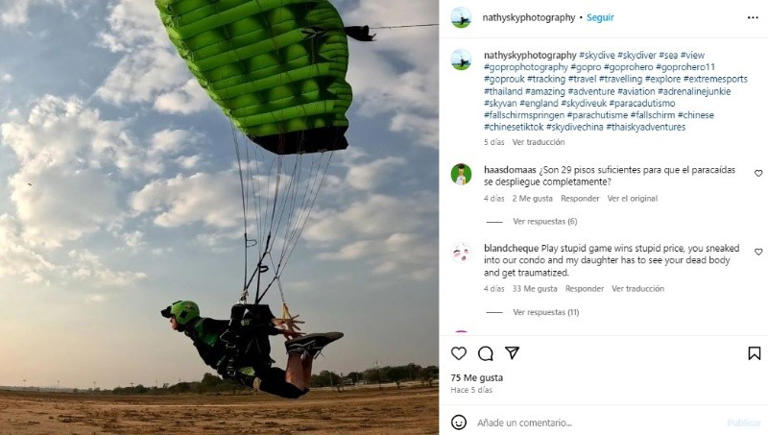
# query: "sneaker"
{"type": "Point", "coordinates": [311, 344]}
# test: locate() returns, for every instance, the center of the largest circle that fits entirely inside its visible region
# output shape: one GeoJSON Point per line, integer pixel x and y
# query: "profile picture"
{"type": "Point", "coordinates": [460, 253]}
{"type": "Point", "coordinates": [461, 17]}
{"type": "Point", "coordinates": [461, 59]}
{"type": "Point", "coordinates": [461, 174]}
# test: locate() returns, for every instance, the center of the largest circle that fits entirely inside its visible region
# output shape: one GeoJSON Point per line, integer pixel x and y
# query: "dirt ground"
{"type": "Point", "coordinates": [364, 411]}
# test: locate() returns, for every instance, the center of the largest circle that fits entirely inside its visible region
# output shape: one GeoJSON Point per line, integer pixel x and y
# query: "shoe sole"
{"type": "Point", "coordinates": [329, 337]}
{"type": "Point", "coordinates": [312, 343]}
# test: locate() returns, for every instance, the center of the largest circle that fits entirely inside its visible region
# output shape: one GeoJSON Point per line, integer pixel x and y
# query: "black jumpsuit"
{"type": "Point", "coordinates": [253, 361]}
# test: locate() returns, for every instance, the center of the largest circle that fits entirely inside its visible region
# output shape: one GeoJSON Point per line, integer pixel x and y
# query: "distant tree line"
{"type": "Point", "coordinates": [378, 375]}
{"type": "Point", "coordinates": [214, 384]}
{"type": "Point", "coordinates": [209, 384]}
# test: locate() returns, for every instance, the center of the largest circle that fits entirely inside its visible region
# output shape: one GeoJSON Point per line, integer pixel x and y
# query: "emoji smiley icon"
{"type": "Point", "coordinates": [458, 422]}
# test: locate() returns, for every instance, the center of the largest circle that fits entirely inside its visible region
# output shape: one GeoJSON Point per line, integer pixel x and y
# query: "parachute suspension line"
{"type": "Point", "coordinates": [317, 176]}
{"type": "Point", "coordinates": [278, 175]}
{"type": "Point", "coordinates": [282, 295]}
{"type": "Point", "coordinates": [260, 267]}
{"type": "Point", "coordinates": [405, 26]}
{"type": "Point", "coordinates": [288, 196]}
{"type": "Point", "coordinates": [296, 203]}
{"type": "Point", "coordinates": [246, 190]}
{"type": "Point", "coordinates": [321, 171]}
{"type": "Point", "coordinates": [313, 197]}
{"type": "Point", "coordinates": [276, 279]}
{"type": "Point", "coordinates": [255, 186]}
{"type": "Point", "coordinates": [263, 210]}
{"type": "Point", "coordinates": [243, 195]}
{"type": "Point", "coordinates": [250, 188]}
{"type": "Point", "coordinates": [288, 207]}
{"type": "Point", "coordinates": [282, 210]}
{"type": "Point", "coordinates": [260, 209]}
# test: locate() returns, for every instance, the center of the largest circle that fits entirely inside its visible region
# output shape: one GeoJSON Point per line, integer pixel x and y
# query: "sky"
{"type": "Point", "coordinates": [119, 195]}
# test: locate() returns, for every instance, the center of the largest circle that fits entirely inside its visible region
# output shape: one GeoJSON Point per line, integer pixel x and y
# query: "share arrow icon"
{"type": "Point", "coordinates": [512, 351]}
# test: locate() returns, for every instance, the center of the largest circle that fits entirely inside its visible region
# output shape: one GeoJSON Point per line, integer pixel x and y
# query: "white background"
{"type": "Point", "coordinates": [674, 362]}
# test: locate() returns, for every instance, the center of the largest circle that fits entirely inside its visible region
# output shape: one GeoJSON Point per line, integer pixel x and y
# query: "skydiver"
{"type": "Point", "coordinates": [249, 362]}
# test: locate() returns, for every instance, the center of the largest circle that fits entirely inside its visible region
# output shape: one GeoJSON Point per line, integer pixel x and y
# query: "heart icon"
{"type": "Point", "coordinates": [759, 251]}
{"type": "Point", "coordinates": [759, 172]}
{"type": "Point", "coordinates": [458, 352]}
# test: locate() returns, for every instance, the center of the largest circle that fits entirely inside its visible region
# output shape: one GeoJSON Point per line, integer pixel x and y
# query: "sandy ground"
{"type": "Point", "coordinates": [365, 411]}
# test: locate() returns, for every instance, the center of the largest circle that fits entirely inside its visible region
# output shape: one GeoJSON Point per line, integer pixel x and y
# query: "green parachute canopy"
{"type": "Point", "coordinates": [275, 67]}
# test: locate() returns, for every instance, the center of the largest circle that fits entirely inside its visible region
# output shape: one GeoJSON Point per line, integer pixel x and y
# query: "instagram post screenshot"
{"type": "Point", "coordinates": [383, 217]}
